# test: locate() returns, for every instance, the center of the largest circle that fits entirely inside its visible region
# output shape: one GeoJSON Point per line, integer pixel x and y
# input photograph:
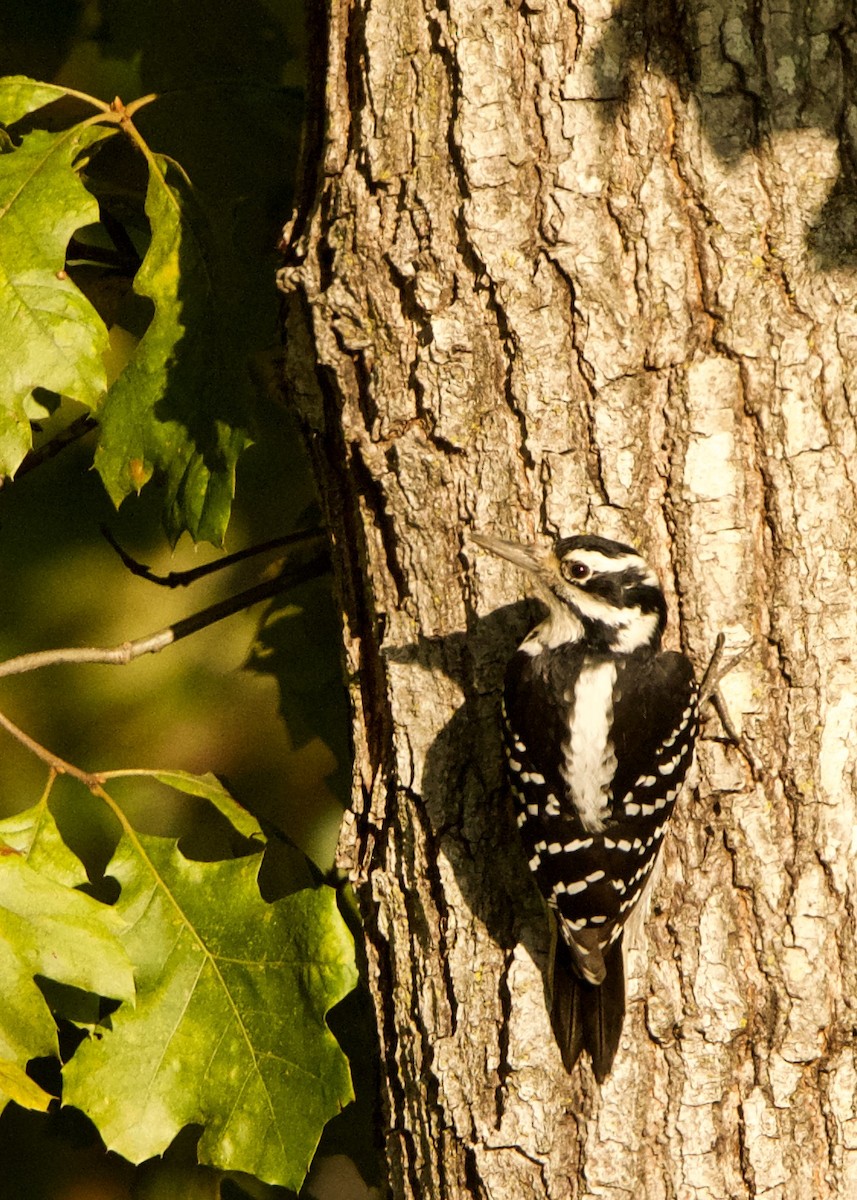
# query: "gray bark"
{"type": "Point", "coordinates": [591, 267]}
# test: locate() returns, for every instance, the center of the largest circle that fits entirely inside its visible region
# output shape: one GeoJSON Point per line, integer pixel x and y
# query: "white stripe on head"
{"type": "Point", "coordinates": [639, 630]}
{"type": "Point", "coordinates": [632, 626]}
{"type": "Point", "coordinates": [603, 564]}
{"type": "Point", "coordinates": [594, 608]}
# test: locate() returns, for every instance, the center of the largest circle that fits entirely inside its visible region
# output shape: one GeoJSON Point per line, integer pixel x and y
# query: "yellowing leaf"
{"type": "Point", "coordinates": [34, 835]}
{"type": "Point", "coordinates": [50, 930]}
{"type": "Point", "coordinates": [120, 351]}
{"type": "Point", "coordinates": [16, 1084]}
{"type": "Point", "coordinates": [62, 933]}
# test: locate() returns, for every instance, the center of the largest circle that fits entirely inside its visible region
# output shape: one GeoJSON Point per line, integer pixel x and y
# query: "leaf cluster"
{"type": "Point", "coordinates": [120, 297]}
{"type": "Point", "coordinates": [172, 992]}
{"type": "Point", "coordinates": [217, 1009]}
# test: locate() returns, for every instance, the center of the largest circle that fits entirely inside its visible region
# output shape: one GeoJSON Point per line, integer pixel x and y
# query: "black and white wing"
{"type": "Point", "coordinates": [597, 753]}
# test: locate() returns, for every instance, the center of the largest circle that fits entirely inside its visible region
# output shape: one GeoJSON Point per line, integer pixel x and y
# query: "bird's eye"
{"type": "Point", "coordinates": [578, 570]}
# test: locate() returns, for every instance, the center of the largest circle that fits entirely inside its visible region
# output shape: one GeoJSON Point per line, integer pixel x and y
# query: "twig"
{"type": "Point", "coordinates": [128, 651]}
{"type": "Point", "coordinates": [73, 432]}
{"type": "Point", "coordinates": [94, 780]}
{"type": "Point", "coordinates": [177, 579]}
{"type": "Point", "coordinates": [58, 765]}
{"type": "Point", "coordinates": [153, 642]}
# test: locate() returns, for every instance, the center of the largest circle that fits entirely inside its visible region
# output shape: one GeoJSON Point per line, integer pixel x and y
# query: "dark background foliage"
{"type": "Point", "coordinates": [258, 700]}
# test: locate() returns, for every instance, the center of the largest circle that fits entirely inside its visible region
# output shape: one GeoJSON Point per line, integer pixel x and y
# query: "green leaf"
{"type": "Point", "coordinates": [20, 95]}
{"type": "Point", "coordinates": [34, 835]}
{"type": "Point", "coordinates": [62, 933]}
{"type": "Point", "coordinates": [179, 407]}
{"type": "Point", "coordinates": [27, 1029]}
{"type": "Point", "coordinates": [51, 930]}
{"type": "Point", "coordinates": [52, 336]}
{"type": "Point", "coordinates": [207, 787]}
{"type": "Point", "coordinates": [229, 1028]}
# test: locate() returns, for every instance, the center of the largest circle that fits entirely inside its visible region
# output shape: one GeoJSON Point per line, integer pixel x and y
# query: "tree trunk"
{"type": "Point", "coordinates": [591, 267]}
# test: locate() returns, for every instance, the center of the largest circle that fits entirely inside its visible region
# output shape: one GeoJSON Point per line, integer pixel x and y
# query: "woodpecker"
{"type": "Point", "coordinates": [599, 731]}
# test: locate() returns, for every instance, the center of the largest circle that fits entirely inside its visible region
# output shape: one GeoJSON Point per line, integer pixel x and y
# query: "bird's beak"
{"type": "Point", "coordinates": [533, 559]}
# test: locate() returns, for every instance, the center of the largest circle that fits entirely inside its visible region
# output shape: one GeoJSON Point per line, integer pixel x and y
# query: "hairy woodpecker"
{"type": "Point", "coordinates": [599, 729]}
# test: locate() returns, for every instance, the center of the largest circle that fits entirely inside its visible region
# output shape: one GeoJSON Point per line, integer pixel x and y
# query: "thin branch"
{"type": "Point", "coordinates": [153, 642]}
{"type": "Point", "coordinates": [135, 105]}
{"type": "Point", "coordinates": [58, 765]}
{"type": "Point", "coordinates": [184, 578]}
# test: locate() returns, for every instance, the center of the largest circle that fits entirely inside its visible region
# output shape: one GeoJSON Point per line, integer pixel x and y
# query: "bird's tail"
{"type": "Point", "coordinates": [587, 1016]}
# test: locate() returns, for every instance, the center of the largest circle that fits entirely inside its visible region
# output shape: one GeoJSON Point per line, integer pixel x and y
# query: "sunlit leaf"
{"type": "Point", "coordinates": [50, 930]}
{"type": "Point", "coordinates": [34, 835]}
{"type": "Point", "coordinates": [229, 1029]}
{"type": "Point", "coordinates": [20, 95]}
{"type": "Point", "coordinates": [62, 933]}
{"type": "Point", "coordinates": [52, 336]}
{"type": "Point", "coordinates": [27, 1029]}
{"type": "Point", "coordinates": [178, 408]}
{"type": "Point", "coordinates": [16, 1084]}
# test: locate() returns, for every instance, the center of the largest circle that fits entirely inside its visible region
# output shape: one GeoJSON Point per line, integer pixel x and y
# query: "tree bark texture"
{"type": "Point", "coordinates": [590, 266]}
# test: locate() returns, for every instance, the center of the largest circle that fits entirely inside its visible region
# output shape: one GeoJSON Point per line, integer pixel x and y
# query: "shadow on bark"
{"type": "Point", "coordinates": [464, 797]}
{"type": "Point", "coordinates": [754, 72]}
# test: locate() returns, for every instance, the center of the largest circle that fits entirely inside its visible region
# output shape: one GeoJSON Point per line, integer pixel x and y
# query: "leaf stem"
{"type": "Point", "coordinates": [122, 116]}
{"type": "Point", "coordinates": [130, 109]}
{"type": "Point", "coordinates": [85, 96]}
{"type": "Point", "coordinates": [59, 766]}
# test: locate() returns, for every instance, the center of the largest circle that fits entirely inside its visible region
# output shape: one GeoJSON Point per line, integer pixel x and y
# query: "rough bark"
{"type": "Point", "coordinates": [591, 266]}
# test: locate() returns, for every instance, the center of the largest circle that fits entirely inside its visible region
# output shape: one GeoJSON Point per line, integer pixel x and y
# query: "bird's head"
{"type": "Point", "coordinates": [596, 590]}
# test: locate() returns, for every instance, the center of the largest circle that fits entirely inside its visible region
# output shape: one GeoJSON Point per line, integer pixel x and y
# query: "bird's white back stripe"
{"type": "Point", "coordinates": [589, 758]}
